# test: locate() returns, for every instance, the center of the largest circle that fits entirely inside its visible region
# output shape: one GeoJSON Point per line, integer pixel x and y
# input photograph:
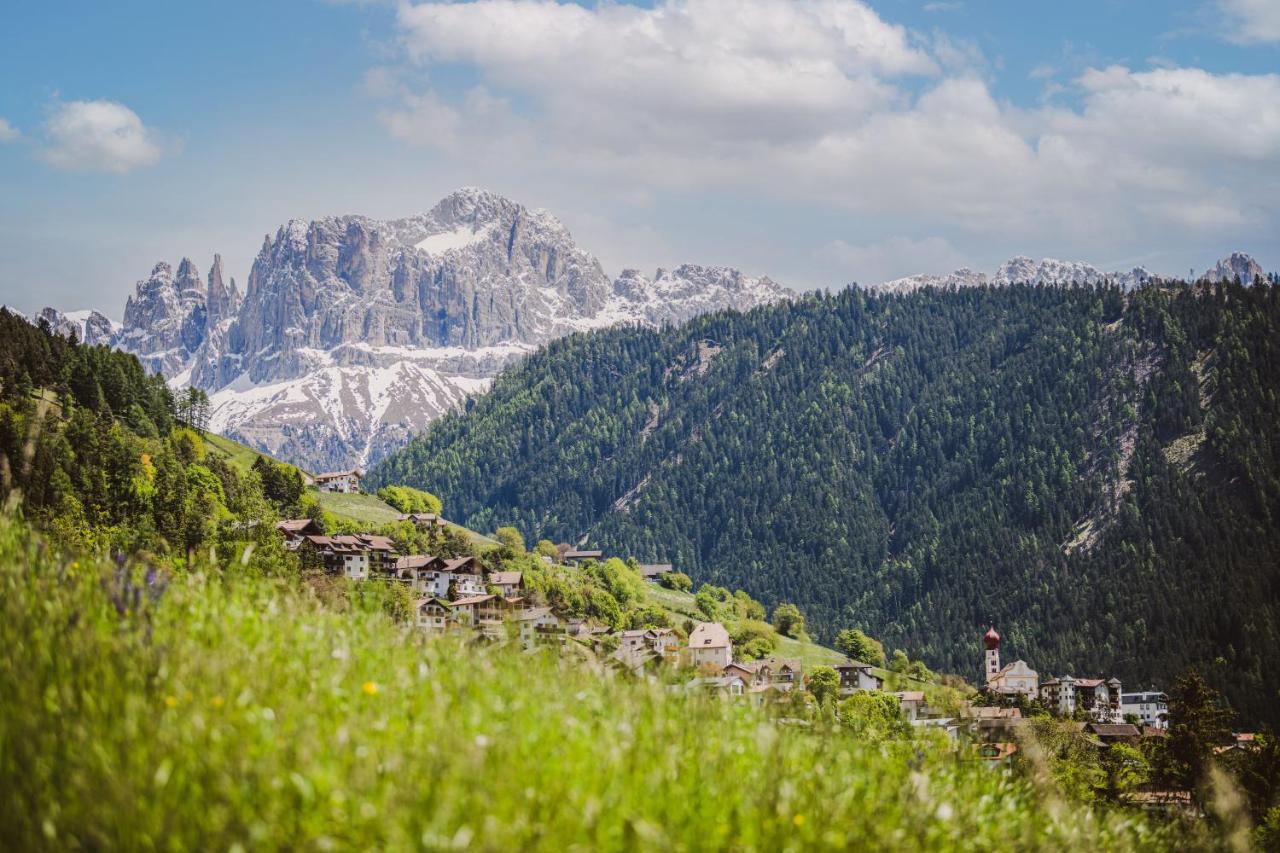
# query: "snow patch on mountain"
{"type": "Point", "coordinates": [1022, 270]}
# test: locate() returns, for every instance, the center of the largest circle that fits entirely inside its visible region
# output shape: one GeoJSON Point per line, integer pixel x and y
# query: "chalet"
{"type": "Point", "coordinates": [995, 723]}
{"type": "Point", "coordinates": [434, 614]}
{"type": "Point", "coordinates": [1109, 733]}
{"type": "Point", "coordinates": [424, 520]}
{"type": "Point", "coordinates": [294, 529]}
{"type": "Point", "coordinates": [1150, 707]}
{"type": "Point", "coordinates": [665, 642]}
{"type": "Point", "coordinates": [753, 673]}
{"type": "Point", "coordinates": [784, 673]}
{"type": "Point", "coordinates": [477, 610]}
{"type": "Point", "coordinates": [653, 572]}
{"type": "Point", "coordinates": [341, 482]}
{"type": "Point", "coordinates": [539, 625]}
{"type": "Point", "coordinates": [709, 643]}
{"type": "Point", "coordinates": [414, 569]}
{"type": "Point", "coordinates": [354, 557]}
{"type": "Point", "coordinates": [855, 676]}
{"type": "Point", "coordinates": [507, 583]}
{"type": "Point", "coordinates": [436, 577]}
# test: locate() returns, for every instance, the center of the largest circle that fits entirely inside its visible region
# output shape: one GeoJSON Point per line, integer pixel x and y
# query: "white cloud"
{"type": "Point", "coordinates": [823, 101]}
{"type": "Point", "coordinates": [1253, 20]}
{"type": "Point", "coordinates": [8, 132]}
{"type": "Point", "coordinates": [99, 136]}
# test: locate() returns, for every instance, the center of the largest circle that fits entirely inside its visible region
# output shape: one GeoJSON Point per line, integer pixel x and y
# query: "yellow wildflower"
{"type": "Point", "coordinates": [369, 688]}
{"type": "Point", "coordinates": [217, 701]}
{"type": "Point", "coordinates": [171, 701]}
{"type": "Point", "coordinates": [798, 820]}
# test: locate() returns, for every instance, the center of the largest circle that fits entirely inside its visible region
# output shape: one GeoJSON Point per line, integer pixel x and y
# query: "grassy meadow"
{"type": "Point", "coordinates": [221, 711]}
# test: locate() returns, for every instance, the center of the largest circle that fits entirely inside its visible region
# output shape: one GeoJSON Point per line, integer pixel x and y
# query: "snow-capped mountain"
{"type": "Point", "coordinates": [90, 327]}
{"type": "Point", "coordinates": [353, 333]}
{"type": "Point", "coordinates": [1022, 270]}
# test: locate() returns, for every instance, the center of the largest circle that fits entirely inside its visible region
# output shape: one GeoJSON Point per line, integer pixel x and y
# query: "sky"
{"type": "Point", "coordinates": [819, 142]}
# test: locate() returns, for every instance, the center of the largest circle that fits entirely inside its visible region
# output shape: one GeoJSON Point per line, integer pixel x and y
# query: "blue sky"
{"type": "Point", "coordinates": [818, 142]}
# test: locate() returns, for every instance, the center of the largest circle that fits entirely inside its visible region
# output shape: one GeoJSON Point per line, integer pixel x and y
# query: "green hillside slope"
{"type": "Point", "coordinates": [1096, 473]}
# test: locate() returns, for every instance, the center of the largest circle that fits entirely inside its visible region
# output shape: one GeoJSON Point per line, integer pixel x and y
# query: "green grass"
{"type": "Point", "coordinates": [227, 712]}
{"type": "Point", "coordinates": [239, 456]}
{"type": "Point", "coordinates": [373, 511]}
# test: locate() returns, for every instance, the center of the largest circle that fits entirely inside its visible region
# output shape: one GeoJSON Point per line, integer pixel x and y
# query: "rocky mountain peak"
{"type": "Point", "coordinates": [1236, 265]}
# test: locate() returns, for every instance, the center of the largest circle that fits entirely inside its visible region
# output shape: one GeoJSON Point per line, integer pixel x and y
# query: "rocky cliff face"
{"type": "Point", "coordinates": [354, 333]}
{"type": "Point", "coordinates": [1236, 265]}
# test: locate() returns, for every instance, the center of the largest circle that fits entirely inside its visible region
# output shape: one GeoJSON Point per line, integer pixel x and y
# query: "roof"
{"type": "Point", "coordinates": [709, 635]}
{"type": "Point", "coordinates": [991, 639]}
{"type": "Point", "coordinates": [423, 518]}
{"type": "Point", "coordinates": [852, 664]}
{"type": "Point", "coordinates": [1114, 729]}
{"type": "Point", "coordinates": [458, 563]}
{"type": "Point", "coordinates": [423, 602]}
{"type": "Point", "coordinates": [533, 613]}
{"type": "Point", "coordinates": [715, 681]}
{"type": "Point", "coordinates": [415, 561]}
{"type": "Point", "coordinates": [793, 664]}
{"type": "Point", "coordinates": [1088, 682]}
{"type": "Point", "coordinates": [296, 525]}
{"type": "Point", "coordinates": [910, 696]}
{"type": "Point", "coordinates": [333, 475]}
{"type": "Point", "coordinates": [506, 578]}
{"type": "Point", "coordinates": [475, 599]}
{"type": "Point", "coordinates": [583, 555]}
{"type": "Point", "coordinates": [992, 712]}
{"type": "Point", "coordinates": [650, 570]}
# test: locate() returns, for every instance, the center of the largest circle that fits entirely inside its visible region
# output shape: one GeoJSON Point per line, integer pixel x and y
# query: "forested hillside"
{"type": "Point", "coordinates": [1094, 471]}
{"type": "Point", "coordinates": [103, 454]}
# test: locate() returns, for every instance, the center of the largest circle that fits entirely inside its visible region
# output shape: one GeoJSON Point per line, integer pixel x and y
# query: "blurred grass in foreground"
{"type": "Point", "coordinates": [140, 710]}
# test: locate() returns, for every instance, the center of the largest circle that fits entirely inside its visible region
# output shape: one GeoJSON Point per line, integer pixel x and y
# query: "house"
{"type": "Point", "coordinates": [479, 611]}
{"type": "Point", "coordinates": [913, 704]}
{"type": "Point", "coordinates": [508, 583]}
{"type": "Point", "coordinates": [855, 676]}
{"type": "Point", "coordinates": [994, 723]}
{"type": "Point", "coordinates": [342, 482]}
{"type": "Point", "coordinates": [1151, 707]}
{"type": "Point", "coordinates": [434, 576]}
{"type": "Point", "coordinates": [653, 572]}
{"type": "Point", "coordinates": [294, 529]}
{"type": "Point", "coordinates": [424, 520]}
{"type": "Point", "coordinates": [1011, 680]}
{"type": "Point", "coordinates": [721, 685]}
{"type": "Point", "coordinates": [434, 614]}
{"type": "Point", "coordinates": [709, 644]}
{"type": "Point", "coordinates": [753, 673]}
{"type": "Point", "coordinates": [784, 673]}
{"type": "Point", "coordinates": [1101, 699]}
{"type": "Point", "coordinates": [1109, 733]}
{"type": "Point", "coordinates": [415, 569]}
{"type": "Point", "coordinates": [538, 625]}
{"type": "Point", "coordinates": [354, 557]}
{"type": "Point", "coordinates": [665, 642]}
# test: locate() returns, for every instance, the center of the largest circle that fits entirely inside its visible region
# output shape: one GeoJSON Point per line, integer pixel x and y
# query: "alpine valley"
{"type": "Point", "coordinates": [353, 334]}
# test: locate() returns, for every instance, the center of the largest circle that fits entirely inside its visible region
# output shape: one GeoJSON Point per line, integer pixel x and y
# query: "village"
{"type": "Point", "coordinates": [459, 594]}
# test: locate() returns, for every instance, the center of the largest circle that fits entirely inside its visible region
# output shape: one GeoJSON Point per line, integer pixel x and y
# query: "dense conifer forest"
{"type": "Point", "coordinates": [1096, 472]}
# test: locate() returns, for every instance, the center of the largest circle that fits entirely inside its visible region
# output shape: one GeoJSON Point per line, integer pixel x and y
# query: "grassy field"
{"type": "Point", "coordinates": [238, 455]}
{"type": "Point", "coordinates": [216, 711]}
{"type": "Point", "coordinates": [363, 509]}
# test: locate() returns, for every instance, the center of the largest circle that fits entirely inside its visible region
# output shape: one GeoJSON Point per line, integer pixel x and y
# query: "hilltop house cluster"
{"type": "Point", "coordinates": [462, 594]}
{"type": "Point", "coordinates": [1101, 700]}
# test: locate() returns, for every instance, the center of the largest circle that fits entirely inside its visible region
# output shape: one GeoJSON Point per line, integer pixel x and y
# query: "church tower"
{"type": "Point", "coordinates": [991, 640]}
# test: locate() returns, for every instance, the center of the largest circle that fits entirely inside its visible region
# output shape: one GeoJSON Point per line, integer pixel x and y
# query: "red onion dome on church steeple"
{"type": "Point", "coordinates": [991, 639]}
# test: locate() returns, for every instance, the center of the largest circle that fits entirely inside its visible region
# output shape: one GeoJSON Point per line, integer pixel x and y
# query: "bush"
{"type": "Point", "coordinates": [788, 620]}
{"type": "Point", "coordinates": [676, 580]}
{"type": "Point", "coordinates": [408, 499]}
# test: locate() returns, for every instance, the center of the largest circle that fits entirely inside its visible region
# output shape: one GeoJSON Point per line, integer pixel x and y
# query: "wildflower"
{"type": "Point", "coordinates": [218, 701]}
{"type": "Point", "coordinates": [798, 820]}
{"type": "Point", "coordinates": [171, 701]}
{"type": "Point", "coordinates": [369, 688]}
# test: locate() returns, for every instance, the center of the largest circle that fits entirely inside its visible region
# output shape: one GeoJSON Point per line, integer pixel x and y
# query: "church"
{"type": "Point", "coordinates": [1011, 680]}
